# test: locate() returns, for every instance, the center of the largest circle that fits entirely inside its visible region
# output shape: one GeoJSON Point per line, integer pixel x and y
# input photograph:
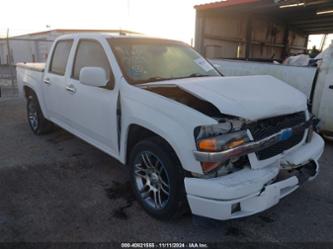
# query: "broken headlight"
{"type": "Point", "coordinates": [220, 137]}
{"type": "Point", "coordinates": [223, 142]}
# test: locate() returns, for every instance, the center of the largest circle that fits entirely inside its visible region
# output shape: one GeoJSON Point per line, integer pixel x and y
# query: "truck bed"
{"type": "Point", "coordinates": [299, 77]}
{"type": "Point", "coordinates": [29, 74]}
{"type": "Point", "coordinates": [32, 66]}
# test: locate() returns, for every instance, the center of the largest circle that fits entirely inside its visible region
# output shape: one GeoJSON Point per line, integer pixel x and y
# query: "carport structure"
{"type": "Point", "coordinates": [260, 29]}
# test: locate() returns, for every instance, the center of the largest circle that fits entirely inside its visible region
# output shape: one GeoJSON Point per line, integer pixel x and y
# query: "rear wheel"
{"type": "Point", "coordinates": [37, 122]}
{"type": "Point", "coordinates": [157, 179]}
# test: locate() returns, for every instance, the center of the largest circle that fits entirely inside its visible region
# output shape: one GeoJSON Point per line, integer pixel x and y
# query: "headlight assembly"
{"type": "Point", "coordinates": [219, 137]}
{"type": "Point", "coordinates": [218, 129]}
{"type": "Point", "coordinates": [223, 142]}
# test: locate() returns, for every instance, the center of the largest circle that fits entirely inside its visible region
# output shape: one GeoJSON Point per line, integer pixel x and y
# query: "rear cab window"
{"type": "Point", "coordinates": [60, 56]}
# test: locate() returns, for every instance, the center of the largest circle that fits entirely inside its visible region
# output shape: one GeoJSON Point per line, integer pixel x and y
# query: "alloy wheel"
{"type": "Point", "coordinates": [33, 115]}
{"type": "Point", "coordinates": [152, 180]}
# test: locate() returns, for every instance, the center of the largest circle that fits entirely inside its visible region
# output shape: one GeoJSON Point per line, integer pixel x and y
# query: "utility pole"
{"type": "Point", "coordinates": [128, 14]}
{"type": "Point", "coordinates": [9, 60]}
{"type": "Point", "coordinates": [8, 48]}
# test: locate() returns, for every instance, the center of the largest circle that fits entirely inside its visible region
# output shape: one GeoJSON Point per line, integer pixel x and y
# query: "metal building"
{"type": "Point", "coordinates": [260, 29]}
{"type": "Point", "coordinates": [34, 47]}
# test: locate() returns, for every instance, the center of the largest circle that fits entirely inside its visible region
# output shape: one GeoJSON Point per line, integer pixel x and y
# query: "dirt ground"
{"type": "Point", "coordinates": [58, 188]}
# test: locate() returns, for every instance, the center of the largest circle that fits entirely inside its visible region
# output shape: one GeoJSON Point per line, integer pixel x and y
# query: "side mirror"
{"type": "Point", "coordinates": [93, 76]}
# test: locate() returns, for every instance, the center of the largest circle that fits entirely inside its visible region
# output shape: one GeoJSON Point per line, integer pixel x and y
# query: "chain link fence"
{"type": "Point", "coordinates": [8, 82]}
{"type": "Point", "coordinates": [18, 50]}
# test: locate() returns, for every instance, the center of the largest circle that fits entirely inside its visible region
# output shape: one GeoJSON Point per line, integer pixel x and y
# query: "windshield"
{"type": "Point", "coordinates": [148, 60]}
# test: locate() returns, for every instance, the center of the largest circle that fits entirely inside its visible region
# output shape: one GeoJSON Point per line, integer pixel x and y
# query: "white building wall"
{"type": "Point", "coordinates": [33, 47]}
{"type": "Point", "coordinates": [28, 48]}
{"type": "Point", "coordinates": [25, 51]}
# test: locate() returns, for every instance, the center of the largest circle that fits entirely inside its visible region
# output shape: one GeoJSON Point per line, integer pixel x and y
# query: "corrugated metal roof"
{"type": "Point", "coordinates": [221, 4]}
{"type": "Point", "coordinates": [303, 17]}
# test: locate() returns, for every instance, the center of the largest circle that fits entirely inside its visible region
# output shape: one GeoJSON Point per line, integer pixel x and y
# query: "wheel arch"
{"type": "Point", "coordinates": [137, 133]}
{"type": "Point", "coordinates": [28, 91]}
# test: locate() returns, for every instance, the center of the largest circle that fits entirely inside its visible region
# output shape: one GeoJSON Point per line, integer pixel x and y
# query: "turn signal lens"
{"type": "Point", "coordinates": [213, 144]}
{"type": "Point", "coordinates": [209, 166]}
{"type": "Point", "coordinates": [219, 143]}
{"type": "Point", "coordinates": [236, 143]}
{"type": "Point", "coordinates": [208, 144]}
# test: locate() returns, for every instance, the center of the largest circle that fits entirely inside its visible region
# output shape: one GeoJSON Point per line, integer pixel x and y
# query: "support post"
{"type": "Point", "coordinates": [199, 32]}
{"type": "Point", "coordinates": [9, 60]}
{"type": "Point", "coordinates": [248, 37]}
{"type": "Point", "coordinates": [306, 42]}
{"type": "Point", "coordinates": [285, 49]}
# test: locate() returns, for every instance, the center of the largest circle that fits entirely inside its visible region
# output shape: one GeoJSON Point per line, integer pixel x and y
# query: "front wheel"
{"type": "Point", "coordinates": [37, 122]}
{"type": "Point", "coordinates": [157, 179]}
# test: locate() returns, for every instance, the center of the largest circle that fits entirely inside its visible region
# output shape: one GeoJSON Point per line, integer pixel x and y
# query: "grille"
{"type": "Point", "coordinates": [266, 127]}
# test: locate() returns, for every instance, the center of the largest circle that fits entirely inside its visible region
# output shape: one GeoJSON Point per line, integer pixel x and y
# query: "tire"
{"type": "Point", "coordinates": [157, 179]}
{"type": "Point", "coordinates": [36, 120]}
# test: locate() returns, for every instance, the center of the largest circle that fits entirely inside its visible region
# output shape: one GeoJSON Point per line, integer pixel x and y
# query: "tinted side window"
{"type": "Point", "coordinates": [90, 54]}
{"type": "Point", "coordinates": [60, 57]}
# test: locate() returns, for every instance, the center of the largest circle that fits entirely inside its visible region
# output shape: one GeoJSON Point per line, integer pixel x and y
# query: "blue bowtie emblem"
{"type": "Point", "coordinates": [286, 134]}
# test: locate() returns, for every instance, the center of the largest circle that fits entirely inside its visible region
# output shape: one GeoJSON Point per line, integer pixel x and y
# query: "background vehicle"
{"type": "Point", "coordinates": [227, 146]}
{"type": "Point", "coordinates": [315, 82]}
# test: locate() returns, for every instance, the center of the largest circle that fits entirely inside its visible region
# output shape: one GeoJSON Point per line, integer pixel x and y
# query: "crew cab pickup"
{"type": "Point", "coordinates": [225, 147]}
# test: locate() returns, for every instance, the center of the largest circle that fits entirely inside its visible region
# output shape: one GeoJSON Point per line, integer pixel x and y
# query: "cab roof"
{"type": "Point", "coordinates": [107, 35]}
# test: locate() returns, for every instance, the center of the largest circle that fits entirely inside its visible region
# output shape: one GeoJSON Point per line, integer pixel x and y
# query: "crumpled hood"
{"type": "Point", "coordinates": [249, 97]}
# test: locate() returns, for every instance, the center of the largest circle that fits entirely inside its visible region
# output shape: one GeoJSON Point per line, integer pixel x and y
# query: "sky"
{"type": "Point", "coordinates": [317, 40]}
{"type": "Point", "coordinates": [163, 18]}
{"type": "Point", "coordinates": [174, 19]}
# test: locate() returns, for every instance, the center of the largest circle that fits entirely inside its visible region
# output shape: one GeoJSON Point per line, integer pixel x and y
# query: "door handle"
{"type": "Point", "coordinates": [330, 87]}
{"type": "Point", "coordinates": [47, 81]}
{"type": "Point", "coordinates": [71, 89]}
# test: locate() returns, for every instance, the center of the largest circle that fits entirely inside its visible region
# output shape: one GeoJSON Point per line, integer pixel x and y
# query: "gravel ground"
{"type": "Point", "coordinates": [58, 188]}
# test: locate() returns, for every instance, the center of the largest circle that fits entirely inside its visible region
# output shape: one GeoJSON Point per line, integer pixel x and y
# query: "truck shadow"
{"type": "Point", "coordinates": [59, 135]}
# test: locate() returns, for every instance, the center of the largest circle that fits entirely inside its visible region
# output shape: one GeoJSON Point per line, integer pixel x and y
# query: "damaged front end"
{"type": "Point", "coordinates": [233, 139]}
{"type": "Point", "coordinates": [231, 144]}
{"type": "Point", "coordinates": [303, 171]}
{"type": "Point", "coordinates": [245, 189]}
{"type": "Point", "coordinates": [224, 136]}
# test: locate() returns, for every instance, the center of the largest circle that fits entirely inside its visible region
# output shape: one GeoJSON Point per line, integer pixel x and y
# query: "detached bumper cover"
{"type": "Point", "coordinates": [250, 191]}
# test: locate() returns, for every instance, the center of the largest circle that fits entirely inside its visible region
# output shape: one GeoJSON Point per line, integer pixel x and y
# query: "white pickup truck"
{"type": "Point", "coordinates": [227, 147]}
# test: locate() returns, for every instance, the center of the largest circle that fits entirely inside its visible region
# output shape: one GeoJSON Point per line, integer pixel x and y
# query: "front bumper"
{"type": "Point", "coordinates": [250, 191]}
